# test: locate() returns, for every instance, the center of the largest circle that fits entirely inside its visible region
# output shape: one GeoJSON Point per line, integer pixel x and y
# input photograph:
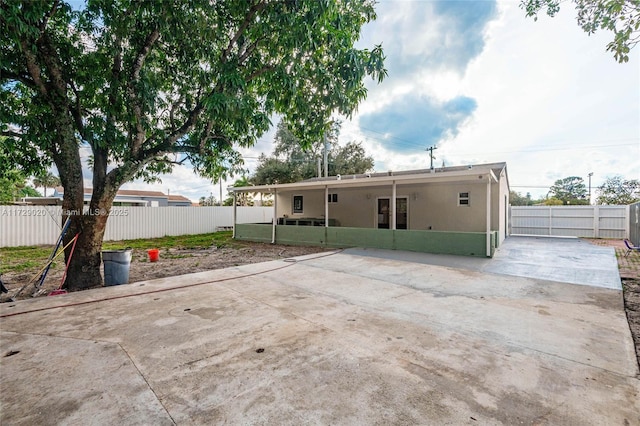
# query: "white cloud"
{"type": "Point", "coordinates": [552, 103]}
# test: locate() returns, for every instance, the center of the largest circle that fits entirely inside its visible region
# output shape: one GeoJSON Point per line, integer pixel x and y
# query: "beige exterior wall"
{"type": "Point", "coordinates": [436, 207]}
{"type": "Point", "coordinates": [313, 203]}
{"type": "Point", "coordinates": [431, 206]}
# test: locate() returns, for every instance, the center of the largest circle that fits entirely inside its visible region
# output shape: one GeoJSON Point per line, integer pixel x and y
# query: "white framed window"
{"type": "Point", "coordinates": [463, 199]}
{"type": "Point", "coordinates": [332, 198]}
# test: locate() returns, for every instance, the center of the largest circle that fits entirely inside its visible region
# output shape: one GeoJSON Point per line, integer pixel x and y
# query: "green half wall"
{"type": "Point", "coordinates": [442, 242]}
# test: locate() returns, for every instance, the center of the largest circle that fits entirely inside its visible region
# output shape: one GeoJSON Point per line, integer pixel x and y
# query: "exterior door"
{"type": "Point", "coordinates": [384, 213]}
{"type": "Point", "coordinates": [401, 213]}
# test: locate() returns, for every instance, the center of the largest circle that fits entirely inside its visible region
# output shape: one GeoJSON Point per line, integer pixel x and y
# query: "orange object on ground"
{"type": "Point", "coordinates": [154, 255]}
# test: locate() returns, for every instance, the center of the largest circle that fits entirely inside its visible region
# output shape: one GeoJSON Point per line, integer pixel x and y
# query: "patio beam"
{"type": "Point", "coordinates": [275, 216]}
{"type": "Point", "coordinates": [234, 215]}
{"type": "Point", "coordinates": [326, 206]}
{"type": "Point", "coordinates": [488, 216]}
{"type": "Point", "coordinates": [392, 216]}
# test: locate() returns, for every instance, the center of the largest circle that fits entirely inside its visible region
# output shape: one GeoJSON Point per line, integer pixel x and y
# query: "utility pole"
{"type": "Point", "coordinates": [431, 149]}
{"type": "Point", "coordinates": [590, 174]}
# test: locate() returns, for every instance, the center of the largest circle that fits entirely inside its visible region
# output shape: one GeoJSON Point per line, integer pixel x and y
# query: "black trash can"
{"type": "Point", "coordinates": [116, 266]}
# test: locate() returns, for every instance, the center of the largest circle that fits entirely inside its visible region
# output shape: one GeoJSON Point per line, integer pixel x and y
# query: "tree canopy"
{"type": "Point", "coordinates": [144, 85]}
{"type": "Point", "coordinates": [618, 191]}
{"type": "Point", "coordinates": [13, 186]}
{"type": "Point", "coordinates": [292, 162]}
{"type": "Point", "coordinates": [517, 199]}
{"type": "Point", "coordinates": [622, 17]}
{"type": "Point", "coordinates": [570, 190]}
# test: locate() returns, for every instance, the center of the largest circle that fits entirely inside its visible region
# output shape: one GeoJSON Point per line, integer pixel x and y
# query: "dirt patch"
{"type": "Point", "coordinates": [631, 290]}
{"type": "Point", "coordinates": [172, 262]}
{"type": "Point", "coordinates": [629, 268]}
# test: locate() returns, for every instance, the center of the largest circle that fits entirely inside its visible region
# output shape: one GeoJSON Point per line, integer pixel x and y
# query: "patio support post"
{"type": "Point", "coordinates": [392, 216]}
{"type": "Point", "coordinates": [275, 216]}
{"type": "Point", "coordinates": [234, 215]}
{"type": "Point", "coordinates": [326, 206]}
{"type": "Point", "coordinates": [489, 216]}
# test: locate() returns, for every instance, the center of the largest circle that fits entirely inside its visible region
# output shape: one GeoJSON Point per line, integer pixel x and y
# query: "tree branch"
{"type": "Point", "coordinates": [249, 50]}
{"type": "Point", "coordinates": [207, 132]}
{"type": "Point", "coordinates": [49, 56]}
{"type": "Point", "coordinates": [4, 73]}
{"type": "Point", "coordinates": [143, 53]}
{"type": "Point", "coordinates": [131, 91]}
{"type": "Point", "coordinates": [76, 112]}
{"type": "Point", "coordinates": [34, 68]}
{"type": "Point", "coordinates": [45, 19]}
{"type": "Point", "coordinates": [11, 133]}
{"type": "Point", "coordinates": [253, 11]}
{"type": "Point", "coordinates": [116, 69]}
{"type": "Point", "coordinates": [257, 73]}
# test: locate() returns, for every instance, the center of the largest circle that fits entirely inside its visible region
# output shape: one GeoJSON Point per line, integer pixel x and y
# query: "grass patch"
{"type": "Point", "coordinates": [201, 241]}
{"type": "Point", "coordinates": [18, 259]}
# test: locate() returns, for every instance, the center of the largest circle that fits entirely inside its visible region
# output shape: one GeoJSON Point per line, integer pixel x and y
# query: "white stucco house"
{"type": "Point", "coordinates": [458, 210]}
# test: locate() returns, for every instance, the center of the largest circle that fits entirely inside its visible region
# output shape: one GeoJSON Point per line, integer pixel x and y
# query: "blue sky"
{"type": "Point", "coordinates": [483, 83]}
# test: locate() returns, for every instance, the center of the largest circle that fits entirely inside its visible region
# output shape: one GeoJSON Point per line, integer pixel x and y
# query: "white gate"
{"type": "Point", "coordinates": [571, 221]}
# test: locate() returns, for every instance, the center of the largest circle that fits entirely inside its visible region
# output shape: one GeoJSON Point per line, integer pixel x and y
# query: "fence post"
{"type": "Point", "coordinates": [596, 221]}
{"type": "Point", "coordinates": [627, 223]}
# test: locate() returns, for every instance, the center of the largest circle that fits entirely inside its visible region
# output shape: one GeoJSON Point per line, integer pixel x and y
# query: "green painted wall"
{"type": "Point", "coordinates": [459, 243]}
{"type": "Point", "coordinates": [253, 232]}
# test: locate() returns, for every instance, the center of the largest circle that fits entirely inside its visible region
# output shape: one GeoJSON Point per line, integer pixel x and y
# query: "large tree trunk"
{"type": "Point", "coordinates": [89, 224]}
{"type": "Point", "coordinates": [84, 268]}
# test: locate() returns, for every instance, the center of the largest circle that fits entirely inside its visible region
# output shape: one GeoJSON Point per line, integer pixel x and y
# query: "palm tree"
{"type": "Point", "coordinates": [46, 180]}
{"type": "Point", "coordinates": [243, 198]}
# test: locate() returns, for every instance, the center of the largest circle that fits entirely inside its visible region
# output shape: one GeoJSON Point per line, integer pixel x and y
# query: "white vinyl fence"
{"type": "Point", "coordinates": [36, 225]}
{"type": "Point", "coordinates": [571, 221]}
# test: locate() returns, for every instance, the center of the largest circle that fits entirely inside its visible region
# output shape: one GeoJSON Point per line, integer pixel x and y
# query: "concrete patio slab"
{"type": "Point", "coordinates": [568, 260]}
{"type": "Point", "coordinates": [322, 339]}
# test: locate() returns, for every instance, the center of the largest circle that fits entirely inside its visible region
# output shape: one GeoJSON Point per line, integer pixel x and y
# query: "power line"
{"type": "Point", "coordinates": [406, 142]}
{"type": "Point", "coordinates": [569, 148]}
{"type": "Point", "coordinates": [531, 186]}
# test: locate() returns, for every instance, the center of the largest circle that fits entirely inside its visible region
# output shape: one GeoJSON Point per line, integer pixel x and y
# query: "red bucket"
{"type": "Point", "coordinates": [154, 255]}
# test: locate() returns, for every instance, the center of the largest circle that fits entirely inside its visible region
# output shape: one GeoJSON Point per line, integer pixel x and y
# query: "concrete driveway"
{"type": "Point", "coordinates": [560, 259]}
{"type": "Point", "coordinates": [339, 338]}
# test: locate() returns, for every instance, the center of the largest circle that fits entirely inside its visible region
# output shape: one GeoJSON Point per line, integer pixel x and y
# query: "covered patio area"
{"type": "Point", "coordinates": [453, 210]}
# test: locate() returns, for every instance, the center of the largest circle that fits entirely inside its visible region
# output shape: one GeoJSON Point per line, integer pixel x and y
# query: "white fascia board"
{"type": "Point", "coordinates": [475, 175]}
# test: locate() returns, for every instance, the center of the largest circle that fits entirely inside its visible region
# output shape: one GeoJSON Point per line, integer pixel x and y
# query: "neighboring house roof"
{"type": "Point", "coordinates": [179, 198]}
{"type": "Point", "coordinates": [494, 171]}
{"type": "Point", "coordinates": [136, 193]}
{"type": "Point", "coordinates": [123, 192]}
{"type": "Point", "coordinates": [132, 195]}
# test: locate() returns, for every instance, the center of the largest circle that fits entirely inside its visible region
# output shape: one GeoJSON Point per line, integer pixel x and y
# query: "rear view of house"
{"type": "Point", "coordinates": [455, 210]}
